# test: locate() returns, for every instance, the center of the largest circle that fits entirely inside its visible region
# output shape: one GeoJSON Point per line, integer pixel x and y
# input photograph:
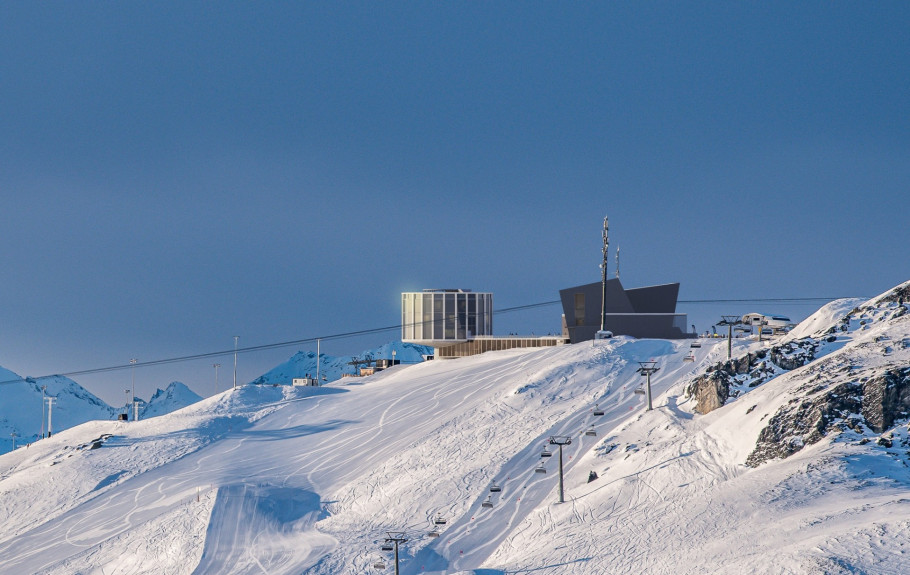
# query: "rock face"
{"type": "Point", "coordinates": [874, 401]}
{"type": "Point", "coordinates": [733, 377]}
{"type": "Point", "coordinates": [886, 397]}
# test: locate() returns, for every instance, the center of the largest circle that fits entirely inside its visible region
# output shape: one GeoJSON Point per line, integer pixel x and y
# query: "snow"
{"type": "Point", "coordinates": [175, 396]}
{"type": "Point", "coordinates": [272, 478]}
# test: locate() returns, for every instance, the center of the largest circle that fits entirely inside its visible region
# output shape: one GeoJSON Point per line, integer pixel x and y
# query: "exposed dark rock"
{"type": "Point", "coordinates": [900, 294]}
{"type": "Point", "coordinates": [710, 390]}
{"type": "Point", "coordinates": [804, 422]}
{"type": "Point", "coordinates": [886, 397]}
{"type": "Point", "coordinates": [794, 354]}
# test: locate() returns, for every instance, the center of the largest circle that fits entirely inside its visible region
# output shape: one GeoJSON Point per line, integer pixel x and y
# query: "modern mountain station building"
{"type": "Point", "coordinates": [645, 312]}
{"type": "Point", "coordinates": [459, 322]}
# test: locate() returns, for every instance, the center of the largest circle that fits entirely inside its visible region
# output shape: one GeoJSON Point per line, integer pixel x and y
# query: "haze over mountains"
{"type": "Point", "coordinates": [791, 457]}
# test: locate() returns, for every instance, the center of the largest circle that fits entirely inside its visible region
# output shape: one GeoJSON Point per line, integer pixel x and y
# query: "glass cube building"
{"type": "Point", "coordinates": [442, 317]}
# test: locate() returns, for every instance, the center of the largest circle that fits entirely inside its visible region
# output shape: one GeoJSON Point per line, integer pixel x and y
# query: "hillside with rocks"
{"type": "Point", "coordinates": [791, 457]}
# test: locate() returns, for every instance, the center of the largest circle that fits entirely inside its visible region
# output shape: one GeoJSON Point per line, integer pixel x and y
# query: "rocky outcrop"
{"type": "Point", "coordinates": [886, 397]}
{"type": "Point", "coordinates": [731, 378]}
{"type": "Point", "coordinates": [800, 423]}
{"type": "Point", "coordinates": [874, 401]}
{"type": "Point", "coordinates": [710, 390]}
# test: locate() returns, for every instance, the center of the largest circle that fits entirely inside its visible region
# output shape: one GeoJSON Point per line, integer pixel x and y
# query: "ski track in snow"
{"type": "Point", "coordinates": [311, 480]}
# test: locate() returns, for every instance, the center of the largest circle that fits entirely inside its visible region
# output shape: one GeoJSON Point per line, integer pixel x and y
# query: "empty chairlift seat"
{"type": "Point", "coordinates": [495, 488]}
{"type": "Point", "coordinates": [440, 520]}
{"type": "Point", "coordinates": [546, 453]}
{"type": "Point", "coordinates": [488, 502]}
{"type": "Point", "coordinates": [540, 468]}
{"type": "Point", "coordinates": [387, 547]}
{"type": "Point", "coordinates": [598, 411]}
{"type": "Point", "coordinates": [639, 391]}
{"type": "Point", "coordinates": [379, 565]}
{"type": "Point", "coordinates": [590, 431]}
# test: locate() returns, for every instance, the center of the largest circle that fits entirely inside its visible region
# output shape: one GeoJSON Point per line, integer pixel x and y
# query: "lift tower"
{"type": "Point", "coordinates": [603, 276]}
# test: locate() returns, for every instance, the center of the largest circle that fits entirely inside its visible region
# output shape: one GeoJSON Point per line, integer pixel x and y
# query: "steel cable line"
{"type": "Point", "coordinates": [362, 332]}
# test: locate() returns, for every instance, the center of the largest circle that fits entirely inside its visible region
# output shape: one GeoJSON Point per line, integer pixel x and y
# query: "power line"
{"type": "Point", "coordinates": [345, 335]}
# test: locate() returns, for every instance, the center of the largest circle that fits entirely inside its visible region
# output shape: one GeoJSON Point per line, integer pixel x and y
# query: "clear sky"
{"type": "Point", "coordinates": [173, 174]}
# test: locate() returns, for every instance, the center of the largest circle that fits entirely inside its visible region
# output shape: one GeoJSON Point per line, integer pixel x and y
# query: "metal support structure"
{"type": "Point", "coordinates": [317, 362]}
{"type": "Point", "coordinates": [43, 395]}
{"type": "Point", "coordinates": [14, 435]}
{"type": "Point", "coordinates": [216, 366]}
{"type": "Point", "coordinates": [561, 440]}
{"type": "Point", "coordinates": [603, 276]}
{"type": "Point", "coordinates": [396, 537]}
{"type": "Point", "coordinates": [730, 321]}
{"type": "Point", "coordinates": [646, 369]}
{"type": "Point", "coordinates": [236, 340]}
{"type": "Point", "coordinates": [50, 410]}
{"type": "Point", "coordinates": [133, 390]}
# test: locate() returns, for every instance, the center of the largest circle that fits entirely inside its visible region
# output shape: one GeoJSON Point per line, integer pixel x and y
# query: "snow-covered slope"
{"type": "Point", "coordinates": [331, 368]}
{"type": "Point", "coordinates": [21, 407]}
{"type": "Point", "coordinates": [312, 480]}
{"type": "Point", "coordinates": [175, 396]}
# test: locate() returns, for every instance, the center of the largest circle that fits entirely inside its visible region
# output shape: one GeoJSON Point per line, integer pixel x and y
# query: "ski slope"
{"type": "Point", "coordinates": [280, 480]}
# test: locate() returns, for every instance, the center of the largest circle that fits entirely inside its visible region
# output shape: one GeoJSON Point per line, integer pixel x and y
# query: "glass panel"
{"type": "Point", "coordinates": [462, 319]}
{"type": "Point", "coordinates": [425, 329]}
{"type": "Point", "coordinates": [579, 309]}
{"type": "Point", "coordinates": [472, 314]}
{"type": "Point", "coordinates": [437, 315]}
{"type": "Point", "coordinates": [450, 316]}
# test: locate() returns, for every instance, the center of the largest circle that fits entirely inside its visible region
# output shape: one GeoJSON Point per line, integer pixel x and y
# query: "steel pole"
{"type": "Point", "coordinates": [730, 340]}
{"type": "Point", "coordinates": [649, 391]}
{"type": "Point", "coordinates": [396, 557]}
{"type": "Point", "coordinates": [562, 498]}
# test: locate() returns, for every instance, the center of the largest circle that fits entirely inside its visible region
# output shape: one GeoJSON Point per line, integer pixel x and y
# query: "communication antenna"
{"type": "Point", "coordinates": [603, 276]}
{"type": "Point", "coordinates": [617, 262]}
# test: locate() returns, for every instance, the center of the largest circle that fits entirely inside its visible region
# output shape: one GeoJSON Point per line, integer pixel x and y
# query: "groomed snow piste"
{"type": "Point", "coordinates": [273, 479]}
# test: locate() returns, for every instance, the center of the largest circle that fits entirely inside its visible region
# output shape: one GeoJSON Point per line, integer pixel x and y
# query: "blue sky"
{"type": "Point", "coordinates": [174, 174]}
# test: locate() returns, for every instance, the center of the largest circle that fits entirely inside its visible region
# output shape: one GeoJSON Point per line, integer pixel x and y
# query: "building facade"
{"type": "Point", "coordinates": [647, 312]}
{"type": "Point", "coordinates": [443, 317]}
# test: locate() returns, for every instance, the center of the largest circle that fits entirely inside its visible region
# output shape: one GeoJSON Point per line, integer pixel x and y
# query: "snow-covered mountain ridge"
{"type": "Point", "coordinates": [285, 480]}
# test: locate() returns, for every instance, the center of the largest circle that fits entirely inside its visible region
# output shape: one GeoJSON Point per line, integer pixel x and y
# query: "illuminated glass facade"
{"type": "Point", "coordinates": [438, 317]}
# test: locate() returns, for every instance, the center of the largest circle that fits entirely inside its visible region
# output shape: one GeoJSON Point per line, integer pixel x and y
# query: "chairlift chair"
{"type": "Point", "coordinates": [597, 411]}
{"type": "Point", "coordinates": [546, 453]}
{"type": "Point", "coordinates": [695, 344]}
{"type": "Point", "coordinates": [639, 391]}
{"type": "Point", "coordinates": [387, 547]}
{"type": "Point", "coordinates": [495, 488]}
{"type": "Point", "coordinates": [690, 357]}
{"type": "Point", "coordinates": [440, 520]}
{"type": "Point", "coordinates": [488, 502]}
{"type": "Point", "coordinates": [379, 565]}
{"type": "Point", "coordinates": [433, 533]}
{"type": "Point", "coordinates": [591, 431]}
{"type": "Point", "coordinates": [540, 468]}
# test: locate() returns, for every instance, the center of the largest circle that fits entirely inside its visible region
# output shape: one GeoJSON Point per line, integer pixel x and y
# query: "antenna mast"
{"type": "Point", "coordinates": [603, 276]}
{"type": "Point", "coordinates": [617, 262]}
